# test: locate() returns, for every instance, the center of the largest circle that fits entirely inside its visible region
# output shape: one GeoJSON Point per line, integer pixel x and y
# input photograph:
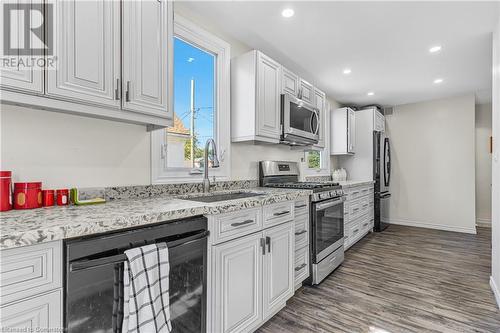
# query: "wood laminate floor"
{"type": "Point", "coordinates": [402, 280]}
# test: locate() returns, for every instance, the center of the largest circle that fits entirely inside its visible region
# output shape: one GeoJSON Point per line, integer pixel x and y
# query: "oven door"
{"type": "Point", "coordinates": [300, 120]}
{"type": "Point", "coordinates": [327, 227]}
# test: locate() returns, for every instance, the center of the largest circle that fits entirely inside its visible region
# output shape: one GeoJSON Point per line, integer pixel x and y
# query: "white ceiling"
{"type": "Point", "coordinates": [384, 43]}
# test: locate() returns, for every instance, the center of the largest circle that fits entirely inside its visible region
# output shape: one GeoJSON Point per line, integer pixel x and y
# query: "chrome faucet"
{"type": "Point", "coordinates": [215, 163]}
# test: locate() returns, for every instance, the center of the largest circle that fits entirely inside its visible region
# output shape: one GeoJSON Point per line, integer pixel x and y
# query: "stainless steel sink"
{"type": "Point", "coordinates": [222, 197]}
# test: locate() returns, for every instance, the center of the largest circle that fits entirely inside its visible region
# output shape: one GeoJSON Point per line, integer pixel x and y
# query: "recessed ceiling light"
{"type": "Point", "coordinates": [435, 49]}
{"type": "Point", "coordinates": [436, 81]}
{"type": "Point", "coordinates": [287, 12]}
{"type": "Point", "coordinates": [347, 71]}
{"type": "Point", "coordinates": [370, 93]}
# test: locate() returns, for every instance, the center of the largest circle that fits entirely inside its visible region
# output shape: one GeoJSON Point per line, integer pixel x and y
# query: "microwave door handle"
{"type": "Point", "coordinates": [315, 114]}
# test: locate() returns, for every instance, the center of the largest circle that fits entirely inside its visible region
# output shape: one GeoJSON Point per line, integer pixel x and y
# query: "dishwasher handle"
{"type": "Point", "coordinates": [118, 258]}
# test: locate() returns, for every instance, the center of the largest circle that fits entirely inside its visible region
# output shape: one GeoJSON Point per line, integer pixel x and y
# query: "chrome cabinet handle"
{"type": "Point", "coordinates": [355, 231]}
{"type": "Point", "coordinates": [300, 232]}
{"type": "Point", "coordinates": [300, 267]}
{"type": "Point", "coordinates": [263, 246]}
{"type": "Point", "coordinates": [282, 213]}
{"type": "Point", "coordinates": [117, 90]}
{"type": "Point", "coordinates": [301, 206]}
{"type": "Point", "coordinates": [237, 224]}
{"type": "Point", "coordinates": [268, 242]}
{"type": "Point", "coordinates": [365, 224]}
{"type": "Point", "coordinates": [127, 92]}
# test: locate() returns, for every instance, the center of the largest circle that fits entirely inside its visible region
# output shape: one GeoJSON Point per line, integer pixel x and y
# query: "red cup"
{"type": "Point", "coordinates": [27, 195]}
{"type": "Point", "coordinates": [62, 197]}
{"type": "Point", "coordinates": [48, 198]}
{"type": "Point", "coordinates": [5, 190]}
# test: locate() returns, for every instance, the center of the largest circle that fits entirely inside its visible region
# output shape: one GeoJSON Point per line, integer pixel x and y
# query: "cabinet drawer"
{"type": "Point", "coordinates": [365, 205]}
{"type": "Point", "coordinates": [42, 313]}
{"type": "Point", "coordinates": [301, 207]}
{"type": "Point", "coordinates": [354, 193]}
{"type": "Point", "coordinates": [364, 191]}
{"type": "Point", "coordinates": [366, 223]}
{"type": "Point", "coordinates": [30, 270]}
{"type": "Point", "coordinates": [301, 267]}
{"type": "Point", "coordinates": [235, 224]}
{"type": "Point", "coordinates": [301, 232]}
{"type": "Point", "coordinates": [354, 209]}
{"type": "Point", "coordinates": [354, 232]}
{"type": "Point", "coordinates": [278, 213]}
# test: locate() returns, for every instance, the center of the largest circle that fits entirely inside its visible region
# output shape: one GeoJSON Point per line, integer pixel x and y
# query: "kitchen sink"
{"type": "Point", "coordinates": [223, 196]}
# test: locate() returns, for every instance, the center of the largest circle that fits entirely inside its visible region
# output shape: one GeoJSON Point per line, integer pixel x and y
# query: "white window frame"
{"type": "Point", "coordinates": [324, 169]}
{"type": "Point", "coordinates": [160, 173]}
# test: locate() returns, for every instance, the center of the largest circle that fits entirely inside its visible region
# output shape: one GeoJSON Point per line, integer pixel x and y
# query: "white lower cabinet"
{"type": "Point", "coordinates": [250, 277]}
{"type": "Point", "coordinates": [238, 284]}
{"type": "Point", "coordinates": [358, 213]}
{"type": "Point", "coordinates": [31, 288]}
{"type": "Point", "coordinates": [42, 313]}
{"type": "Point", "coordinates": [278, 271]}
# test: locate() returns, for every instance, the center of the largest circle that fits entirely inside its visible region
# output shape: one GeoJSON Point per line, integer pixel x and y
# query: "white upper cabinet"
{"type": "Point", "coordinates": [306, 92]}
{"type": "Point", "coordinates": [289, 82]}
{"type": "Point", "coordinates": [255, 98]}
{"type": "Point", "coordinates": [268, 97]}
{"type": "Point", "coordinates": [320, 104]}
{"type": "Point", "coordinates": [111, 60]}
{"type": "Point", "coordinates": [87, 46]}
{"type": "Point", "coordinates": [342, 131]}
{"type": "Point", "coordinates": [147, 56]}
{"type": "Point", "coordinates": [24, 79]}
{"type": "Point", "coordinates": [278, 272]}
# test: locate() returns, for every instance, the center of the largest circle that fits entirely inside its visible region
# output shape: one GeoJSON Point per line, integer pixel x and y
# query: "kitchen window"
{"type": "Point", "coordinates": [200, 105]}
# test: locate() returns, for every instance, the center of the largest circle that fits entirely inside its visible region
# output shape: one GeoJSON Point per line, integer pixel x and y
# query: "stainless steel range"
{"type": "Point", "coordinates": [326, 215]}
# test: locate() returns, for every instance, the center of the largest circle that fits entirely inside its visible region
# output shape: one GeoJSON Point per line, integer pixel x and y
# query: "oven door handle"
{"type": "Point", "coordinates": [330, 203]}
{"type": "Point", "coordinates": [118, 258]}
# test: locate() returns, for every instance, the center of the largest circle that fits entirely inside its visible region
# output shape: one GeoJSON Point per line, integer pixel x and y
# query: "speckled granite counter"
{"type": "Point", "coordinates": [351, 183]}
{"type": "Point", "coordinates": [28, 227]}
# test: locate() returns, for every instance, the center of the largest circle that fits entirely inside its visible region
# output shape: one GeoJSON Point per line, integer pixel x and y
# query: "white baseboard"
{"type": "Point", "coordinates": [483, 222]}
{"type": "Point", "coordinates": [421, 224]}
{"type": "Point", "coordinates": [496, 291]}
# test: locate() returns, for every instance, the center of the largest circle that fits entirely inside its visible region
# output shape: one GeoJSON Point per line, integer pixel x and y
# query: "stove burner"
{"type": "Point", "coordinates": [302, 185]}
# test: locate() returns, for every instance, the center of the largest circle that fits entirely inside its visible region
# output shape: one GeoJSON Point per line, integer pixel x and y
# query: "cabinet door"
{"type": "Point", "coordinates": [306, 91]}
{"type": "Point", "coordinates": [319, 102]}
{"type": "Point", "coordinates": [268, 97]}
{"type": "Point", "coordinates": [21, 78]}
{"type": "Point", "coordinates": [147, 56]}
{"type": "Point", "coordinates": [37, 314]}
{"type": "Point", "coordinates": [351, 130]}
{"type": "Point", "coordinates": [289, 82]}
{"type": "Point", "coordinates": [87, 46]}
{"type": "Point", "coordinates": [237, 284]}
{"type": "Point", "coordinates": [278, 268]}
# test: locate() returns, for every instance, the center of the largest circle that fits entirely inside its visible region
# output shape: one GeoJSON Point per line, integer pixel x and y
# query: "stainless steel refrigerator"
{"type": "Point", "coordinates": [382, 177]}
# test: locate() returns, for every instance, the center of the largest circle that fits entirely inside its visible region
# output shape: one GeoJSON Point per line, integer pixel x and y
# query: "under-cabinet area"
{"type": "Point", "coordinates": [173, 166]}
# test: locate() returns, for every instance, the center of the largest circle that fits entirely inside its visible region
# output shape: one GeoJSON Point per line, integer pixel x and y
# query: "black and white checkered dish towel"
{"type": "Point", "coordinates": [145, 290]}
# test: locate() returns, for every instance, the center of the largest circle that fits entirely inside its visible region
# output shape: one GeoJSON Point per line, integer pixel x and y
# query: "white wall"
{"type": "Point", "coordinates": [483, 164]}
{"type": "Point", "coordinates": [66, 150]}
{"type": "Point", "coordinates": [495, 258]}
{"type": "Point", "coordinates": [433, 164]}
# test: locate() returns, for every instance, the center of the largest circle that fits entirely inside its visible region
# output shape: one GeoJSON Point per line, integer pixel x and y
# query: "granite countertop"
{"type": "Point", "coordinates": [351, 183]}
{"type": "Point", "coordinates": [28, 227]}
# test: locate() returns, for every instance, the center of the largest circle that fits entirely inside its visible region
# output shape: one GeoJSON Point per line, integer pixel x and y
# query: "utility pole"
{"type": "Point", "coordinates": [192, 123]}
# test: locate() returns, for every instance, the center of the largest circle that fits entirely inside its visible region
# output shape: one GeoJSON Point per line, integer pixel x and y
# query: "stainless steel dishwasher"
{"type": "Point", "coordinates": [94, 267]}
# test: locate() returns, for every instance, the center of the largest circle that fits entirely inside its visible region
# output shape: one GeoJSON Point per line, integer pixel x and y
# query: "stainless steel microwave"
{"type": "Point", "coordinates": [300, 121]}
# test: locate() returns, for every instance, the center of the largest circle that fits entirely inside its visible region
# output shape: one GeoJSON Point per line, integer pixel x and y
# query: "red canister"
{"type": "Point", "coordinates": [62, 197]}
{"type": "Point", "coordinates": [48, 198]}
{"type": "Point", "coordinates": [27, 195]}
{"type": "Point", "coordinates": [5, 190]}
